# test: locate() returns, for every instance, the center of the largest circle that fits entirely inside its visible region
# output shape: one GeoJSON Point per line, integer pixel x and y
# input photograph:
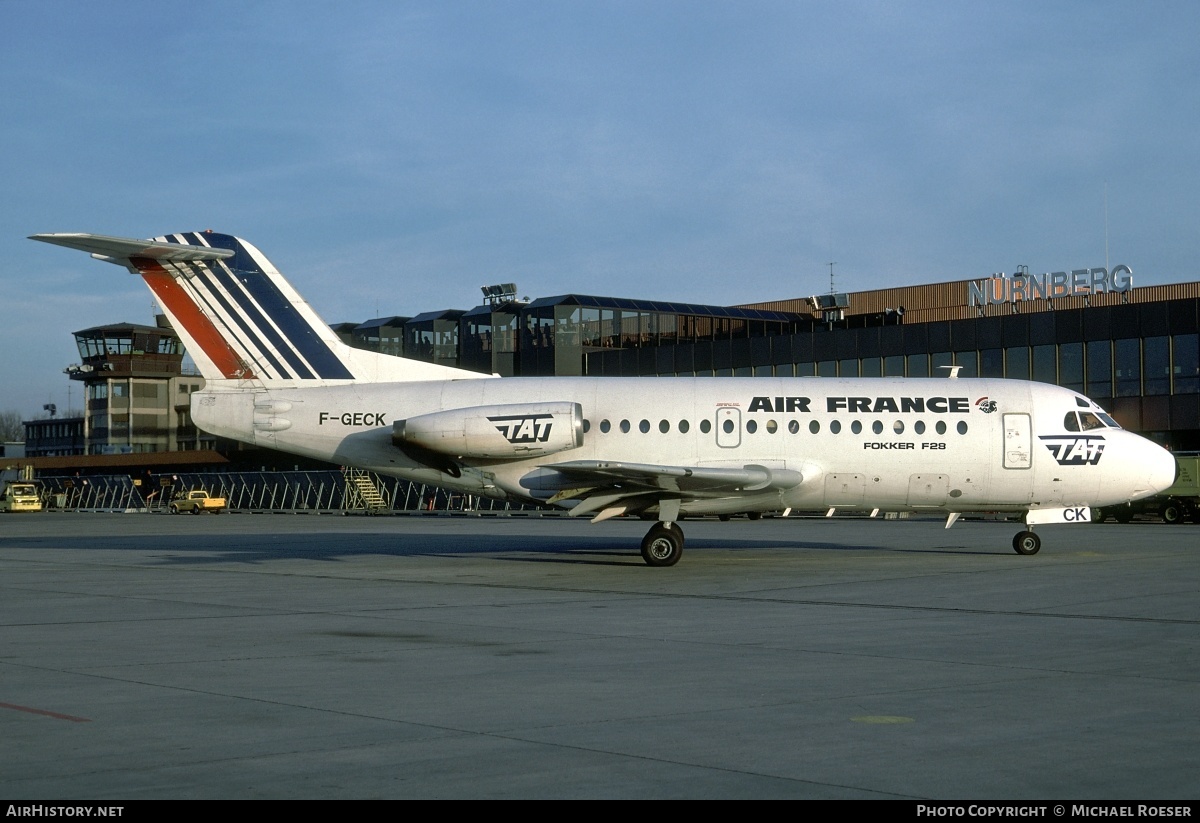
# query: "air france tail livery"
{"type": "Point", "coordinates": [277, 376]}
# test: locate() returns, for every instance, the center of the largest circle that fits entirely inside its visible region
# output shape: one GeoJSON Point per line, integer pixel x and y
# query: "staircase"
{"type": "Point", "coordinates": [362, 493]}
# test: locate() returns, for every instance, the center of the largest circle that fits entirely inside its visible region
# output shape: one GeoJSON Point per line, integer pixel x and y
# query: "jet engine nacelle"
{"type": "Point", "coordinates": [500, 432]}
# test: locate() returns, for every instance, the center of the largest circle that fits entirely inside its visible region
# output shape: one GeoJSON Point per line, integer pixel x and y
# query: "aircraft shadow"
{"type": "Point", "coordinates": [255, 548]}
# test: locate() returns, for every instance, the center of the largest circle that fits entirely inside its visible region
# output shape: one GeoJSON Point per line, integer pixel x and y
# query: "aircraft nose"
{"type": "Point", "coordinates": [1161, 468]}
{"type": "Point", "coordinates": [1141, 468]}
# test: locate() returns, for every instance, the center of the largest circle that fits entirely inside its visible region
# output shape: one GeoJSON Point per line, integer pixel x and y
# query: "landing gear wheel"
{"type": "Point", "coordinates": [754, 515]}
{"type": "Point", "coordinates": [1027, 543]}
{"type": "Point", "coordinates": [663, 545]}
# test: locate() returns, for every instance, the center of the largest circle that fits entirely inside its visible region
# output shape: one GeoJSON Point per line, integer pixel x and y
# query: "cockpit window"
{"type": "Point", "coordinates": [1086, 421]}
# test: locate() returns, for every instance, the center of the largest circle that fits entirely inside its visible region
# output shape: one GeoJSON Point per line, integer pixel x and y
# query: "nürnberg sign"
{"type": "Point", "coordinates": [1078, 283]}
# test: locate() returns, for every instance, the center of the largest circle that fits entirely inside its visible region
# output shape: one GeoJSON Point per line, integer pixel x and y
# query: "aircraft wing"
{"type": "Point", "coordinates": [613, 488]}
{"type": "Point", "coordinates": [677, 478]}
{"type": "Point", "coordinates": [120, 249]}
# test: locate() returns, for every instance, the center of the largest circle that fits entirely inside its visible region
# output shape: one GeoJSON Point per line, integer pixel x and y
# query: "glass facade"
{"type": "Point", "coordinates": [433, 337]}
{"type": "Point", "coordinates": [383, 334]}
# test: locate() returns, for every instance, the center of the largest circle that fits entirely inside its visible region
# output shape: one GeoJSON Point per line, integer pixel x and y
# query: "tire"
{"type": "Point", "coordinates": [724, 518]}
{"type": "Point", "coordinates": [196, 510]}
{"type": "Point", "coordinates": [173, 509]}
{"type": "Point", "coordinates": [754, 515]}
{"type": "Point", "coordinates": [1099, 515]}
{"type": "Point", "coordinates": [662, 546]}
{"type": "Point", "coordinates": [1171, 512]}
{"type": "Point", "coordinates": [1124, 514]}
{"type": "Point", "coordinates": [1026, 543]}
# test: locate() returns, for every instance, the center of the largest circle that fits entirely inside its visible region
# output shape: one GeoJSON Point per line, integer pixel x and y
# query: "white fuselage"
{"type": "Point", "coordinates": [939, 444]}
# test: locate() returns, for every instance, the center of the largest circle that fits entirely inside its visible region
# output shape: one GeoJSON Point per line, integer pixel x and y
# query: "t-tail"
{"type": "Point", "coordinates": [239, 319]}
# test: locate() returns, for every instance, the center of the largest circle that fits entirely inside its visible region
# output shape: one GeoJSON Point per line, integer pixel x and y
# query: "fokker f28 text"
{"type": "Point", "coordinates": [277, 376]}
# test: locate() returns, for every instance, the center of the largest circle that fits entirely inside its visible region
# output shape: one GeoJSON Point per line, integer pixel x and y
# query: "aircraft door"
{"type": "Point", "coordinates": [1018, 442]}
{"type": "Point", "coordinates": [729, 427]}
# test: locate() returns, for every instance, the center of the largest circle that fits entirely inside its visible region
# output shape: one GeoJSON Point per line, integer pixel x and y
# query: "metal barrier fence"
{"type": "Point", "coordinates": [97, 493]}
{"type": "Point", "coordinates": [288, 491]}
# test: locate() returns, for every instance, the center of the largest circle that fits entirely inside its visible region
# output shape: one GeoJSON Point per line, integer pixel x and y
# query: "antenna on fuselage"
{"type": "Point", "coordinates": [954, 370]}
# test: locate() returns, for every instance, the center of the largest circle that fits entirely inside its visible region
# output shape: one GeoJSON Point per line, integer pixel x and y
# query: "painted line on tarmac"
{"type": "Point", "coordinates": [44, 713]}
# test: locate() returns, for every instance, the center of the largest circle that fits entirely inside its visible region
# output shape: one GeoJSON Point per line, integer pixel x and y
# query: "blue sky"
{"type": "Point", "coordinates": [393, 157]}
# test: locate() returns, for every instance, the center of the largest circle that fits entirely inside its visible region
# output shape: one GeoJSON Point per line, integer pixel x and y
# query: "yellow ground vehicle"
{"type": "Point", "coordinates": [196, 501]}
{"type": "Point", "coordinates": [20, 497]}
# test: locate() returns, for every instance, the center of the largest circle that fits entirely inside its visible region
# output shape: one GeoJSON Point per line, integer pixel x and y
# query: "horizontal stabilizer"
{"type": "Point", "coordinates": [123, 248]}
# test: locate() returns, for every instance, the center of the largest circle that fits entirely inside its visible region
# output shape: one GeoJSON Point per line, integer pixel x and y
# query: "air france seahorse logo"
{"type": "Point", "coordinates": [1075, 450]}
{"type": "Point", "coordinates": [986, 406]}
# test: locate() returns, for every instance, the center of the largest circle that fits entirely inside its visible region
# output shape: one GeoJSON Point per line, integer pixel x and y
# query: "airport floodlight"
{"type": "Point", "coordinates": [499, 293]}
{"type": "Point", "coordinates": [840, 300]}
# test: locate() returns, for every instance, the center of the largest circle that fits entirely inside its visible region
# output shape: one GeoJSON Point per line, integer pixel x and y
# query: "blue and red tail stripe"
{"type": "Point", "coordinates": [264, 321]}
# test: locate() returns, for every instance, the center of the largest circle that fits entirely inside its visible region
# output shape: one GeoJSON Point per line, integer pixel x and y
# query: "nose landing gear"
{"type": "Point", "coordinates": [1026, 543]}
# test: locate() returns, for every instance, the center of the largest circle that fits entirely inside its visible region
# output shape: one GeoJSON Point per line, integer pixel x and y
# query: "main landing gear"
{"type": "Point", "coordinates": [663, 544]}
{"type": "Point", "coordinates": [1027, 543]}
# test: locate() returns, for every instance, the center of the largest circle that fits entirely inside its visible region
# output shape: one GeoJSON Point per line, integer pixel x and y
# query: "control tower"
{"type": "Point", "coordinates": [137, 390]}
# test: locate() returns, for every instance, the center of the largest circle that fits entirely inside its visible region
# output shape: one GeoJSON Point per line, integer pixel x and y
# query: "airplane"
{"type": "Point", "coordinates": [660, 447]}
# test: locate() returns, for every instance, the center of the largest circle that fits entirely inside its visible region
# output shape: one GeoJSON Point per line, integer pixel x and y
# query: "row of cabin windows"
{"type": "Point", "coordinates": [772, 426]}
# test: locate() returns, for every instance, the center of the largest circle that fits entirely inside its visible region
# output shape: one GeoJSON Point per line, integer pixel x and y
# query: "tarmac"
{"type": "Point", "coordinates": [302, 656]}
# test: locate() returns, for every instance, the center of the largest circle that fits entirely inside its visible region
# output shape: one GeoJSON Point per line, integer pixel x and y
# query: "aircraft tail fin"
{"type": "Point", "coordinates": [239, 318]}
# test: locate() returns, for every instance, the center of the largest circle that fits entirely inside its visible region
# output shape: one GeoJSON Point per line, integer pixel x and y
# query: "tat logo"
{"type": "Point", "coordinates": [524, 428]}
{"type": "Point", "coordinates": [986, 406]}
{"type": "Point", "coordinates": [1079, 450]}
